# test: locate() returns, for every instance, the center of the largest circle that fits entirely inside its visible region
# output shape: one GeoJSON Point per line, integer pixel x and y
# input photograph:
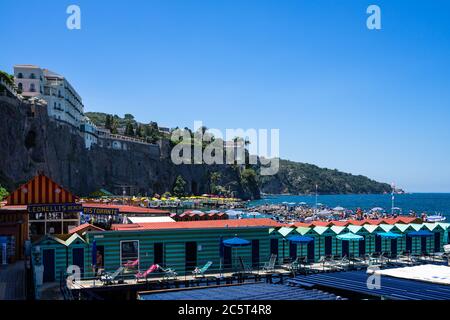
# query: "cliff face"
{"type": "Point", "coordinates": [30, 143]}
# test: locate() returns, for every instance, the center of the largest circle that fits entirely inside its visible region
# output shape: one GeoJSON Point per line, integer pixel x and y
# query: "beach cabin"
{"type": "Point", "coordinates": [184, 246]}
{"type": "Point", "coordinates": [50, 251]}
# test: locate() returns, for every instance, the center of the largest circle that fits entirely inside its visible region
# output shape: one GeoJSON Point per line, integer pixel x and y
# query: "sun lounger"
{"type": "Point", "coordinates": [144, 275]}
{"type": "Point", "coordinates": [244, 267]}
{"type": "Point", "coordinates": [132, 264]}
{"type": "Point", "coordinates": [169, 273]}
{"type": "Point", "coordinates": [270, 265]}
{"type": "Point", "coordinates": [109, 278]}
{"type": "Point", "coordinates": [201, 271]}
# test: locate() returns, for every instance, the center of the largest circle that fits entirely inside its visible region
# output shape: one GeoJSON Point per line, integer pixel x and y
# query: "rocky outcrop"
{"type": "Point", "coordinates": [31, 142]}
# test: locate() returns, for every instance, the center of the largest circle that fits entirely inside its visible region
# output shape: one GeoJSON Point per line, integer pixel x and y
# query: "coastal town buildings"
{"type": "Point", "coordinates": [64, 104]}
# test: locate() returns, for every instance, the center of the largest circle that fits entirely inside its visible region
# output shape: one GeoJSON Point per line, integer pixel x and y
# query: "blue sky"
{"type": "Point", "coordinates": [375, 103]}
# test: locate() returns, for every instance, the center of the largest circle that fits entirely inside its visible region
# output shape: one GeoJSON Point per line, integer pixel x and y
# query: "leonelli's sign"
{"type": "Point", "coordinates": [48, 208]}
{"type": "Point", "coordinates": [104, 211]}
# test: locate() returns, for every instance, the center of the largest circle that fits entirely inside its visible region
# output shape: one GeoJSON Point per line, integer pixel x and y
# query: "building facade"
{"type": "Point", "coordinates": [63, 102]}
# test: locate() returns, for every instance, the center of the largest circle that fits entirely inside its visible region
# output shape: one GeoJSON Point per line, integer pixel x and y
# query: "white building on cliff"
{"type": "Point", "coordinates": [63, 102]}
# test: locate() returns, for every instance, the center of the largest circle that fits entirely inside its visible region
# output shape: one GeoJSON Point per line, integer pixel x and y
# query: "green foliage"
{"type": "Point", "coordinates": [214, 181]}
{"type": "Point", "coordinates": [149, 132]}
{"type": "Point", "coordinates": [3, 193]}
{"type": "Point", "coordinates": [166, 194]}
{"type": "Point", "coordinates": [9, 79]}
{"type": "Point", "coordinates": [129, 130]}
{"type": "Point", "coordinates": [179, 187]}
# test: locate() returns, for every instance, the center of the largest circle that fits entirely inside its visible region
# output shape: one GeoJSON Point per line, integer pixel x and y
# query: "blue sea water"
{"type": "Point", "coordinates": [430, 203]}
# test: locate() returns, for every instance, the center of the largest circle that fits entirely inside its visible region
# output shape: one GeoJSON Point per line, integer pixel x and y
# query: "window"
{"type": "Point", "coordinates": [32, 87]}
{"type": "Point", "coordinates": [32, 76]}
{"type": "Point", "coordinates": [20, 75]}
{"type": "Point", "coordinates": [20, 86]}
{"type": "Point", "coordinates": [129, 251]}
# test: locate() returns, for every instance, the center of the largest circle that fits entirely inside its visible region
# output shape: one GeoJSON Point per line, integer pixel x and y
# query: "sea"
{"type": "Point", "coordinates": [431, 203]}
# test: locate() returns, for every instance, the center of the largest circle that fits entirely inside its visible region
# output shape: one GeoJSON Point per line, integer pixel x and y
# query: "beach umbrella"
{"type": "Point", "coordinates": [302, 203]}
{"type": "Point", "coordinates": [389, 235]}
{"type": "Point", "coordinates": [377, 209]}
{"type": "Point", "coordinates": [213, 211]}
{"type": "Point", "coordinates": [338, 209]}
{"type": "Point", "coordinates": [350, 237]}
{"type": "Point", "coordinates": [302, 240]}
{"type": "Point", "coordinates": [236, 243]}
{"type": "Point", "coordinates": [420, 233]}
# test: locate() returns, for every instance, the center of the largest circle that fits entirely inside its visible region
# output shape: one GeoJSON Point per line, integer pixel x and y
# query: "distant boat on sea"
{"type": "Point", "coordinates": [436, 218]}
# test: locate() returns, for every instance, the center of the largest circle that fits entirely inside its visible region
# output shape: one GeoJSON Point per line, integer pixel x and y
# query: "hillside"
{"type": "Point", "coordinates": [301, 178]}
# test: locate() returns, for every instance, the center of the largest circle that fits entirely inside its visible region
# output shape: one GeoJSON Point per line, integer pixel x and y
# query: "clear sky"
{"type": "Point", "coordinates": [375, 103]}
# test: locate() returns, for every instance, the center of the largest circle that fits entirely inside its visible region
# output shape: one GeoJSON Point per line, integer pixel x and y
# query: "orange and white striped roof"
{"type": "Point", "coordinates": [40, 190]}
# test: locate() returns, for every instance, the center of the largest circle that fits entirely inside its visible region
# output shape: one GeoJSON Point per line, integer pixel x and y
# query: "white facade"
{"type": "Point", "coordinates": [90, 132]}
{"type": "Point", "coordinates": [63, 102]}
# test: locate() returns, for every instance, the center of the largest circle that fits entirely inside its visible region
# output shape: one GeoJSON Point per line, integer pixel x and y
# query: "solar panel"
{"type": "Point", "coordinates": [259, 291]}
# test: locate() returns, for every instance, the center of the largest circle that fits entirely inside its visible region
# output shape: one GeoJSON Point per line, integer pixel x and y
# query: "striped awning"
{"type": "Point", "coordinates": [40, 190]}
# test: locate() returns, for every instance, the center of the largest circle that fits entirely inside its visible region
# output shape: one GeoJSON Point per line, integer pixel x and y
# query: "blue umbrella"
{"type": "Point", "coordinates": [300, 239]}
{"type": "Point", "coordinates": [389, 235]}
{"type": "Point", "coordinates": [94, 253]}
{"type": "Point", "coordinates": [421, 233]}
{"type": "Point", "coordinates": [236, 242]}
{"type": "Point", "coordinates": [349, 236]}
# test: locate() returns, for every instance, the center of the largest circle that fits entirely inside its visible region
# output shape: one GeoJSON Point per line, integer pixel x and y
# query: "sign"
{"type": "Point", "coordinates": [50, 208]}
{"type": "Point", "coordinates": [101, 211]}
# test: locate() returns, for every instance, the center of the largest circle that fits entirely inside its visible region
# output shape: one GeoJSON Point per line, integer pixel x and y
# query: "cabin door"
{"type": "Point", "coordinates": [328, 245]}
{"type": "Point", "coordinates": [274, 246]}
{"type": "Point", "coordinates": [255, 254]}
{"type": "Point", "coordinates": [345, 248]}
{"type": "Point", "coordinates": [362, 247]}
{"type": "Point", "coordinates": [191, 256]}
{"type": "Point", "coordinates": [378, 247]}
{"type": "Point", "coordinates": [311, 251]}
{"type": "Point", "coordinates": [437, 242]}
{"type": "Point", "coordinates": [409, 244]}
{"type": "Point", "coordinates": [48, 260]}
{"type": "Point", "coordinates": [423, 245]}
{"type": "Point", "coordinates": [292, 250]}
{"type": "Point", "coordinates": [78, 259]}
{"type": "Point", "coordinates": [394, 247]}
{"type": "Point", "coordinates": [227, 258]}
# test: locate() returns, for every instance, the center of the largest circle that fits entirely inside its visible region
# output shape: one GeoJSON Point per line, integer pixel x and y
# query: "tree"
{"type": "Point", "coordinates": [108, 122]}
{"type": "Point", "coordinates": [129, 130]}
{"type": "Point", "coordinates": [129, 117]}
{"type": "Point", "coordinates": [214, 180]}
{"type": "Point", "coordinates": [3, 193]}
{"type": "Point", "coordinates": [179, 187]}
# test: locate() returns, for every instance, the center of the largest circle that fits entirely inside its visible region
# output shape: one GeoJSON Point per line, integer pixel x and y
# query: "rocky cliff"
{"type": "Point", "coordinates": [30, 143]}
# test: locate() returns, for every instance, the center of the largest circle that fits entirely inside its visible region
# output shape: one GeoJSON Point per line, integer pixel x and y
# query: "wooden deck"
{"type": "Point", "coordinates": [189, 280]}
{"type": "Point", "coordinates": [12, 281]}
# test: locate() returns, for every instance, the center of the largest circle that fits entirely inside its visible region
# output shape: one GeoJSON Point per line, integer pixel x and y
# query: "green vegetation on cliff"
{"type": "Point", "coordinates": [301, 178]}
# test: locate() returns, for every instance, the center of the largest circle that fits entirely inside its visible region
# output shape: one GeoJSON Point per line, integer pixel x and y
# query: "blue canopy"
{"type": "Point", "coordinates": [300, 239]}
{"type": "Point", "coordinates": [236, 242]}
{"type": "Point", "coordinates": [389, 235]}
{"type": "Point", "coordinates": [350, 237]}
{"type": "Point", "coordinates": [421, 233]}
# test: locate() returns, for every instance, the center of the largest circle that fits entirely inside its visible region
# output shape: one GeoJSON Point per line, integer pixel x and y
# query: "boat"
{"type": "Point", "coordinates": [435, 218]}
